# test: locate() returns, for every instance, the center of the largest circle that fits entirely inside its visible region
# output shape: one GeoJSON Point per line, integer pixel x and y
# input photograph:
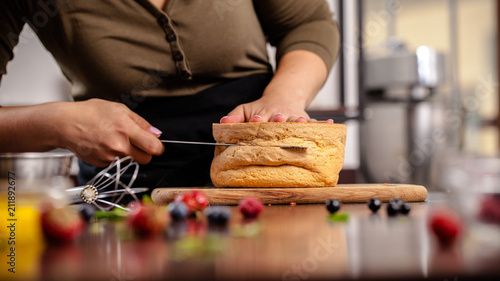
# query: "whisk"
{"type": "Point", "coordinates": [99, 186]}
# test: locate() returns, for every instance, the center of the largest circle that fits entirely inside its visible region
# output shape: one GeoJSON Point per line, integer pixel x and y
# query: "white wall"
{"type": "Point", "coordinates": [32, 76]}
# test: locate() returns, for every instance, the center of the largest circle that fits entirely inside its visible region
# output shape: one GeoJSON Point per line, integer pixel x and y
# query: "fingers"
{"type": "Point", "coordinates": [301, 119]}
{"type": "Point", "coordinates": [235, 116]}
{"type": "Point", "coordinates": [141, 122]}
{"type": "Point", "coordinates": [256, 118]}
{"type": "Point", "coordinates": [329, 121]}
{"type": "Point", "coordinates": [122, 147]}
{"type": "Point", "coordinates": [155, 131]}
{"type": "Point", "coordinates": [278, 118]}
{"type": "Point", "coordinates": [142, 141]}
{"type": "Point", "coordinates": [146, 142]}
{"type": "Point", "coordinates": [232, 119]}
{"type": "Point", "coordinates": [105, 130]}
{"type": "Point", "coordinates": [93, 161]}
{"type": "Point", "coordinates": [140, 156]}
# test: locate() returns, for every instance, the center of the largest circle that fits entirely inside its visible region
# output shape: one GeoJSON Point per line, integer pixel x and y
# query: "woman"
{"type": "Point", "coordinates": [180, 65]}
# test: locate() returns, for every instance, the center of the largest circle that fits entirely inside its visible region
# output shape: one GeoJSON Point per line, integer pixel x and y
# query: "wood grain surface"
{"type": "Point", "coordinates": [346, 193]}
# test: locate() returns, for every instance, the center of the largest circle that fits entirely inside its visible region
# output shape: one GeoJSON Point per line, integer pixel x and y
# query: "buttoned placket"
{"type": "Point", "coordinates": [172, 39]}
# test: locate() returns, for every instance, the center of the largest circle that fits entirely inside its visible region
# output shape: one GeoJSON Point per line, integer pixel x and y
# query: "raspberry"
{"type": "Point", "coordinates": [446, 226]}
{"type": "Point", "coordinates": [195, 200]}
{"type": "Point", "coordinates": [250, 207]}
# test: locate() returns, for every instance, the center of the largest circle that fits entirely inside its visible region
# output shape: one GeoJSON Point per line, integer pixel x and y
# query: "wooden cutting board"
{"type": "Point", "coordinates": [346, 193]}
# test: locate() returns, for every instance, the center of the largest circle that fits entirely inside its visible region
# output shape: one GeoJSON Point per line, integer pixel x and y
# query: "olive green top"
{"type": "Point", "coordinates": [114, 49]}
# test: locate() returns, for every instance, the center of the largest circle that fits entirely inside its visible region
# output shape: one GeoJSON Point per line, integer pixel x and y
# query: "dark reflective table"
{"type": "Point", "coordinates": [284, 243]}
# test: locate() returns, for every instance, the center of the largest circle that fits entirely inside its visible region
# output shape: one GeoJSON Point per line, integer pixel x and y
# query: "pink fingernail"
{"type": "Point", "coordinates": [329, 121]}
{"type": "Point", "coordinates": [301, 119]}
{"type": "Point", "coordinates": [255, 118]}
{"type": "Point", "coordinates": [224, 117]}
{"type": "Point", "coordinates": [155, 130]}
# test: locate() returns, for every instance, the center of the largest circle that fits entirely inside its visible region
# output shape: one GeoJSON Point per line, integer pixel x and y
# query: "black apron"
{"type": "Point", "coordinates": [188, 118]}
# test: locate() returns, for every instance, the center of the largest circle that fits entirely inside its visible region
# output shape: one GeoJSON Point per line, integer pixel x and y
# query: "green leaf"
{"type": "Point", "coordinates": [341, 217]}
{"type": "Point", "coordinates": [146, 199]}
{"type": "Point", "coordinates": [115, 214]}
{"type": "Point", "coordinates": [247, 230]}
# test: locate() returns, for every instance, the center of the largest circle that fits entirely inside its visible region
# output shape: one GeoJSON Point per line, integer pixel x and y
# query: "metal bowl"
{"type": "Point", "coordinates": [36, 165]}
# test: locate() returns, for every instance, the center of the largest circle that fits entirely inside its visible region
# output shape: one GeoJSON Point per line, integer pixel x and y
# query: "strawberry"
{"type": "Point", "coordinates": [195, 200]}
{"type": "Point", "coordinates": [147, 219]}
{"type": "Point", "coordinates": [446, 226]}
{"type": "Point", "coordinates": [61, 225]}
{"type": "Point", "coordinates": [250, 207]}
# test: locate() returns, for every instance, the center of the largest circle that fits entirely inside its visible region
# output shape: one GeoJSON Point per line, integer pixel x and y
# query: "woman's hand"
{"type": "Point", "coordinates": [269, 108]}
{"type": "Point", "coordinates": [299, 77]}
{"type": "Point", "coordinates": [97, 131]}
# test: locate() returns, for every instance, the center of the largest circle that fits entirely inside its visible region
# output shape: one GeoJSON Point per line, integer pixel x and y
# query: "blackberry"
{"type": "Point", "coordinates": [332, 205]}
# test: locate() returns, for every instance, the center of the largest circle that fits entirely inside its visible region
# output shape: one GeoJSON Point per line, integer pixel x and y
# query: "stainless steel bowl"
{"type": "Point", "coordinates": [36, 165]}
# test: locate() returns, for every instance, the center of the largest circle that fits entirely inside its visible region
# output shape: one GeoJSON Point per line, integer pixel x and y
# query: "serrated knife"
{"type": "Point", "coordinates": [229, 144]}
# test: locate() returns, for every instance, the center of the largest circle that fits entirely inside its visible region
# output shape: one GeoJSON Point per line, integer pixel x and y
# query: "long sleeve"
{"type": "Point", "coordinates": [300, 25]}
{"type": "Point", "coordinates": [11, 25]}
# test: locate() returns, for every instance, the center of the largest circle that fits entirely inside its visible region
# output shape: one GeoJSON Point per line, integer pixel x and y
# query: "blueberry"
{"type": "Point", "coordinates": [332, 205]}
{"type": "Point", "coordinates": [393, 208]}
{"type": "Point", "coordinates": [218, 215]}
{"type": "Point", "coordinates": [374, 204]}
{"type": "Point", "coordinates": [177, 210]}
{"type": "Point", "coordinates": [87, 211]}
{"type": "Point", "coordinates": [405, 208]}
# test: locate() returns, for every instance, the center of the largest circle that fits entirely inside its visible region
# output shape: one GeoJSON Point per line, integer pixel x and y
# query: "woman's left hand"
{"type": "Point", "coordinates": [269, 108]}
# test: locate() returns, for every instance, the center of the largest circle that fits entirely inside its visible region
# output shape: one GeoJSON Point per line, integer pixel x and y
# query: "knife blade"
{"type": "Point", "coordinates": [229, 144]}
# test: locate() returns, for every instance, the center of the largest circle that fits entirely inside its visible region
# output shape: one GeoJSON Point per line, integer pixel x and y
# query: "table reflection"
{"type": "Point", "coordinates": [285, 242]}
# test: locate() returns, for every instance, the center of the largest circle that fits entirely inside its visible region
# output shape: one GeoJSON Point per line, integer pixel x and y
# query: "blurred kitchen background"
{"type": "Point", "coordinates": [416, 81]}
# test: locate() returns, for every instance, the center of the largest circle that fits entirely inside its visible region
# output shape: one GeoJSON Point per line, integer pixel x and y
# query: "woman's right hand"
{"type": "Point", "coordinates": [97, 131]}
